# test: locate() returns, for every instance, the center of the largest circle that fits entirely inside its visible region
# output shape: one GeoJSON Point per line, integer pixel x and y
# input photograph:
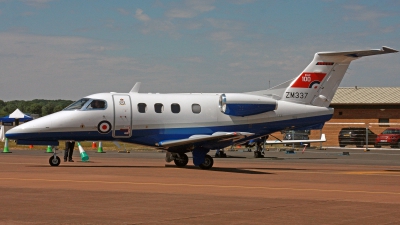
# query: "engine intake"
{"type": "Point", "coordinates": [245, 104]}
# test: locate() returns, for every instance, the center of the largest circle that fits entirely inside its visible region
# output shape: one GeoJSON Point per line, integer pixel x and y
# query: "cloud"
{"type": "Point", "coordinates": [242, 2]}
{"type": "Point", "coordinates": [141, 16]}
{"type": "Point", "coordinates": [54, 67]}
{"type": "Point", "coordinates": [181, 13]}
{"type": "Point", "coordinates": [220, 36]}
{"type": "Point", "coordinates": [363, 13]}
{"type": "Point", "coordinates": [37, 3]}
{"type": "Point", "coordinates": [190, 9]}
{"type": "Point", "coordinates": [194, 59]}
{"type": "Point", "coordinates": [225, 24]}
{"type": "Point", "coordinates": [123, 11]}
{"type": "Point", "coordinates": [200, 6]}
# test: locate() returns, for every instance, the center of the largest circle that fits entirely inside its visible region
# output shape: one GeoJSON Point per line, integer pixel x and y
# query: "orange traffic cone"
{"type": "Point", "coordinates": [30, 146]}
{"type": "Point", "coordinates": [94, 146]}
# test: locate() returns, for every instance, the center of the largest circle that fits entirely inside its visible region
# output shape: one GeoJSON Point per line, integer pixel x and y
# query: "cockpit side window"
{"type": "Point", "coordinates": [77, 105]}
{"type": "Point", "coordinates": [97, 104]}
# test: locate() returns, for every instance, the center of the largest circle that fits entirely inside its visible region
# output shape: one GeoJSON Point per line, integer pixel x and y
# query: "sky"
{"type": "Point", "coordinates": [68, 49]}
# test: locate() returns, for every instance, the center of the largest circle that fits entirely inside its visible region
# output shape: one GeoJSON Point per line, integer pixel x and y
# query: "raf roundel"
{"type": "Point", "coordinates": [104, 127]}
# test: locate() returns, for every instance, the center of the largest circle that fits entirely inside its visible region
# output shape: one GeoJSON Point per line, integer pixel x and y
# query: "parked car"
{"type": "Point", "coordinates": [296, 135]}
{"type": "Point", "coordinates": [356, 136]}
{"type": "Point", "coordinates": [390, 136]}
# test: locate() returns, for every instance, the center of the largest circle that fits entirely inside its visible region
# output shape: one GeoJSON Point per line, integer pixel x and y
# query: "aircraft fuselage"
{"type": "Point", "coordinates": [148, 119]}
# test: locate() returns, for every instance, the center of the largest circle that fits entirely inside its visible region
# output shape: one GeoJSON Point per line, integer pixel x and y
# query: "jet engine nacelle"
{"type": "Point", "coordinates": [245, 104]}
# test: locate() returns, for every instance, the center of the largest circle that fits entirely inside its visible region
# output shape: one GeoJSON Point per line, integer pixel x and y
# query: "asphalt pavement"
{"type": "Point", "coordinates": [333, 186]}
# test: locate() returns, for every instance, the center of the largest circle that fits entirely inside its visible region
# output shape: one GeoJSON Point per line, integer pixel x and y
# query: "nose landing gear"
{"type": "Point", "coordinates": [54, 160]}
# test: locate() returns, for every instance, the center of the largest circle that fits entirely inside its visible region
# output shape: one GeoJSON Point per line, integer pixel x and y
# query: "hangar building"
{"type": "Point", "coordinates": [374, 106]}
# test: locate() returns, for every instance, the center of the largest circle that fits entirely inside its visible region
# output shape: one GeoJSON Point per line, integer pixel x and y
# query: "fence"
{"type": "Point", "coordinates": [361, 135]}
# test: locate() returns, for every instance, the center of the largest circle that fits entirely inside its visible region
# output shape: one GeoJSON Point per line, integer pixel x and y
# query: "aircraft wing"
{"type": "Point", "coordinates": [323, 139]}
{"type": "Point", "coordinates": [215, 137]}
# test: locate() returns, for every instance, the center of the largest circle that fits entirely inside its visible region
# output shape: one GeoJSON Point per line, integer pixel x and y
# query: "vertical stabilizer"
{"type": "Point", "coordinates": [317, 84]}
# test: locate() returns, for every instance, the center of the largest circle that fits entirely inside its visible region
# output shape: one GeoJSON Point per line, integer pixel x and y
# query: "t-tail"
{"type": "Point", "coordinates": [317, 84]}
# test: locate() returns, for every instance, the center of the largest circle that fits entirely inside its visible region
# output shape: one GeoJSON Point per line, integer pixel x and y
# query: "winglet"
{"type": "Point", "coordinates": [136, 87]}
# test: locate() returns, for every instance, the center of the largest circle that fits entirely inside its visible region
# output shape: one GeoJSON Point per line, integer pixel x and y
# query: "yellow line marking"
{"type": "Point", "coordinates": [208, 186]}
{"type": "Point", "coordinates": [386, 173]}
{"type": "Point", "coordinates": [373, 173]}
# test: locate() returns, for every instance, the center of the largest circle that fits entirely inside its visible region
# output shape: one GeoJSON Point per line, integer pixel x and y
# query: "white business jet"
{"type": "Point", "coordinates": [197, 123]}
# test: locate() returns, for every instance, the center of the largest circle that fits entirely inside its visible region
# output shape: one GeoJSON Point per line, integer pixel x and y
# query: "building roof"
{"type": "Point", "coordinates": [367, 95]}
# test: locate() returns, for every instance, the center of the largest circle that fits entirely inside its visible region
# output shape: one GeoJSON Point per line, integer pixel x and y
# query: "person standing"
{"type": "Point", "coordinates": [69, 150]}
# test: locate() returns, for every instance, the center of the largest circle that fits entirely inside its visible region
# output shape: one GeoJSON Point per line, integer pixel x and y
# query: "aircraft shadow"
{"type": "Point", "coordinates": [395, 171]}
{"type": "Point", "coordinates": [225, 170]}
{"type": "Point", "coordinates": [282, 169]}
{"type": "Point", "coordinates": [97, 166]}
{"type": "Point", "coordinates": [231, 157]}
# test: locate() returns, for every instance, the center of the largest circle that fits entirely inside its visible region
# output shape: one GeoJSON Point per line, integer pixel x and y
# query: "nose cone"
{"type": "Point", "coordinates": [30, 129]}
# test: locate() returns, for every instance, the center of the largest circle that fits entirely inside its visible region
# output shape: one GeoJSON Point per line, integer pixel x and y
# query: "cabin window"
{"type": "Point", "coordinates": [175, 108]}
{"type": "Point", "coordinates": [196, 108]}
{"type": "Point", "coordinates": [142, 107]}
{"type": "Point", "coordinates": [77, 105]}
{"type": "Point", "coordinates": [158, 107]}
{"type": "Point", "coordinates": [97, 105]}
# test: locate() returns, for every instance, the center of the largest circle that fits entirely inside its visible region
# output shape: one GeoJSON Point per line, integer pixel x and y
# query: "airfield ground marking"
{"type": "Point", "coordinates": [367, 173]}
{"type": "Point", "coordinates": [207, 185]}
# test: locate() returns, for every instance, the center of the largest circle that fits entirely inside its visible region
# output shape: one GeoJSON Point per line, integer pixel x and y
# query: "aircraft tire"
{"type": "Point", "coordinates": [182, 161]}
{"type": "Point", "coordinates": [208, 163]}
{"type": "Point", "coordinates": [257, 154]}
{"type": "Point", "coordinates": [54, 161]}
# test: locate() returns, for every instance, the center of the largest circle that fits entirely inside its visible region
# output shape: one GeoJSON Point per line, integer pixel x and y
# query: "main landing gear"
{"type": "Point", "coordinates": [208, 163]}
{"type": "Point", "coordinates": [54, 160]}
{"type": "Point", "coordinates": [220, 153]}
{"type": "Point", "coordinates": [260, 146]}
{"type": "Point", "coordinates": [181, 160]}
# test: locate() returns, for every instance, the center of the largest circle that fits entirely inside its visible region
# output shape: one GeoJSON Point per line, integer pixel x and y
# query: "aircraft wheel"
{"type": "Point", "coordinates": [54, 161]}
{"type": "Point", "coordinates": [182, 161]}
{"type": "Point", "coordinates": [257, 154]}
{"type": "Point", "coordinates": [220, 155]}
{"type": "Point", "coordinates": [208, 163]}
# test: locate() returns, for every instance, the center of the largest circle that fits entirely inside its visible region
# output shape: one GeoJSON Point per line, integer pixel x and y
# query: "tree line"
{"type": "Point", "coordinates": [37, 106]}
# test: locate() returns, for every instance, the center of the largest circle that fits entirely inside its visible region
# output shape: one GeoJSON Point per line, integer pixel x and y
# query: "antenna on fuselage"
{"type": "Point", "coordinates": [136, 87]}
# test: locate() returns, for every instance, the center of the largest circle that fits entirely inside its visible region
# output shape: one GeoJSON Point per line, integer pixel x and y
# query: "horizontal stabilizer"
{"type": "Point", "coordinates": [360, 53]}
{"type": "Point", "coordinates": [323, 139]}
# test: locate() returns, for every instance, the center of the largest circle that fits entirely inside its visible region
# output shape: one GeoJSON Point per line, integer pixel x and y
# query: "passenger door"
{"type": "Point", "coordinates": [122, 127]}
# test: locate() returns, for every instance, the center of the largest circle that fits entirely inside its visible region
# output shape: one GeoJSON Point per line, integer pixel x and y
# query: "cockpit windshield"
{"type": "Point", "coordinates": [88, 104]}
{"type": "Point", "coordinates": [97, 104]}
{"type": "Point", "coordinates": [78, 104]}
